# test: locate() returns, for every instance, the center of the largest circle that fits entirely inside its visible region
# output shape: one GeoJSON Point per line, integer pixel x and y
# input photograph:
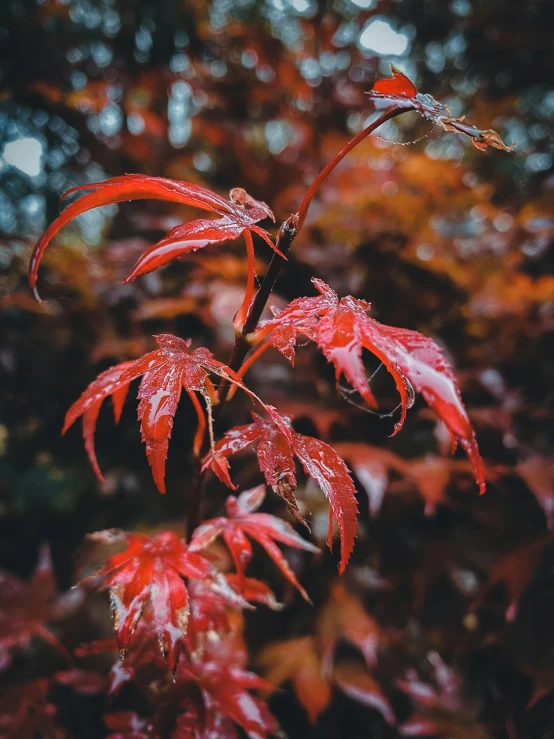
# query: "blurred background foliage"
{"type": "Point", "coordinates": [437, 235]}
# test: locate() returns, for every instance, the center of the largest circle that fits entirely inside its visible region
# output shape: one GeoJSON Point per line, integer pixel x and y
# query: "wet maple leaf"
{"type": "Point", "coordinates": [26, 608]}
{"type": "Point", "coordinates": [216, 605]}
{"type": "Point", "coordinates": [144, 658]}
{"type": "Point", "coordinates": [401, 92]}
{"type": "Point", "coordinates": [195, 723]}
{"type": "Point", "coordinates": [342, 329]}
{"type": "Point", "coordinates": [212, 692]}
{"type": "Point", "coordinates": [399, 85]}
{"type": "Point", "coordinates": [150, 576]}
{"type": "Point", "coordinates": [240, 524]}
{"type": "Point", "coordinates": [214, 617]}
{"type": "Point", "coordinates": [225, 690]}
{"type": "Point", "coordinates": [276, 453]}
{"type": "Point", "coordinates": [238, 214]}
{"type": "Point", "coordinates": [209, 692]}
{"type": "Point", "coordinates": [253, 590]}
{"type": "Point", "coordinates": [165, 372]}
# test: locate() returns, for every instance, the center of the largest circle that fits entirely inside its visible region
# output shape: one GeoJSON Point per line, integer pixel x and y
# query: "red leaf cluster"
{"type": "Point", "coordinates": [241, 522]}
{"type": "Point", "coordinates": [173, 609]}
{"type": "Point", "coordinates": [276, 453]}
{"type": "Point", "coordinates": [177, 615]}
{"type": "Point", "coordinates": [148, 578]}
{"type": "Point", "coordinates": [342, 329]}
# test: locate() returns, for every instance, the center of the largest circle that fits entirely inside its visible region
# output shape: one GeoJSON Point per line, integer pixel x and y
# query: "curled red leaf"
{"type": "Point", "coordinates": [399, 85]}
{"type": "Point", "coordinates": [238, 214]}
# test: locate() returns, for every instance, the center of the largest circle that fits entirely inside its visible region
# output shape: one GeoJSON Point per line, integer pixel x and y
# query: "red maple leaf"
{"type": "Point", "coordinates": [401, 92]}
{"type": "Point", "coordinates": [276, 453]}
{"type": "Point", "coordinates": [342, 329]}
{"type": "Point", "coordinates": [166, 371]}
{"type": "Point", "coordinates": [144, 659]}
{"type": "Point", "coordinates": [238, 214]}
{"type": "Point", "coordinates": [399, 86]}
{"type": "Point", "coordinates": [210, 692]}
{"type": "Point", "coordinates": [25, 608]}
{"type": "Point", "coordinates": [149, 578]}
{"type": "Point", "coordinates": [214, 614]}
{"type": "Point", "coordinates": [225, 691]}
{"type": "Point", "coordinates": [210, 607]}
{"type": "Point", "coordinates": [241, 522]}
{"type": "Point", "coordinates": [254, 591]}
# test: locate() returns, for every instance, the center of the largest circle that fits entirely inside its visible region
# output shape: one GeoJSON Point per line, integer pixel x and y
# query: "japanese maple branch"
{"type": "Point", "coordinates": [288, 231]}
{"type": "Point", "coordinates": [285, 237]}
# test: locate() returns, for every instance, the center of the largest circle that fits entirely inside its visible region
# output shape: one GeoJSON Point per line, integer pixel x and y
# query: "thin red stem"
{"type": "Point", "coordinates": [326, 171]}
{"type": "Point", "coordinates": [247, 301]}
{"type": "Point", "coordinates": [253, 358]}
{"type": "Point", "coordinates": [247, 364]}
{"type": "Point", "coordinates": [201, 429]}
